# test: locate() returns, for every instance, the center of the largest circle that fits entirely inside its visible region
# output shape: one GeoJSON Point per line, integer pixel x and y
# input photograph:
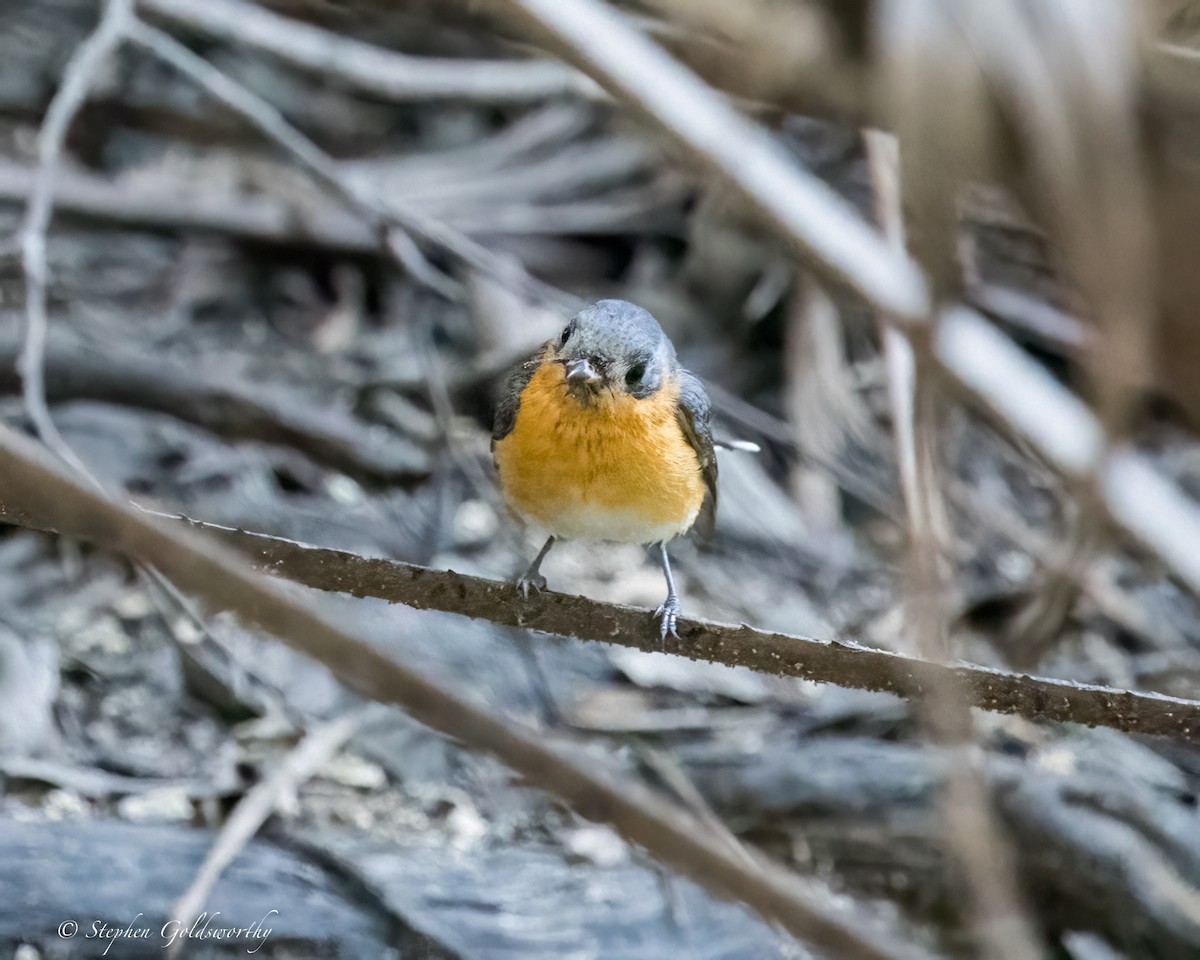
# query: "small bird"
{"type": "Point", "coordinates": [601, 435]}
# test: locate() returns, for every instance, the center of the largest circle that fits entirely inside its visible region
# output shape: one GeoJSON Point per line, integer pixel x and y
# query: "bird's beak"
{"type": "Point", "coordinates": [582, 376]}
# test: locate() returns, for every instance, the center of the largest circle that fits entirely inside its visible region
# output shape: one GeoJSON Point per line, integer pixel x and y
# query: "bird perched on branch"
{"type": "Point", "coordinates": [601, 435]}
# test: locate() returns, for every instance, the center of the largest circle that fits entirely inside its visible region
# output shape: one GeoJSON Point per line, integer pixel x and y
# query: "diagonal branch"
{"type": "Point", "coordinates": [33, 487]}
{"type": "Point", "coordinates": [989, 366]}
{"type": "Point", "coordinates": [805, 211]}
{"type": "Point", "coordinates": [382, 73]}
{"type": "Point", "coordinates": [397, 226]}
{"type": "Point", "coordinates": [840, 662]}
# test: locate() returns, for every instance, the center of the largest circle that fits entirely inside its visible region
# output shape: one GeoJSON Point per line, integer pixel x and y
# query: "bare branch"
{"type": "Point", "coordinates": [372, 70]}
{"type": "Point", "coordinates": [1038, 320]}
{"type": "Point", "coordinates": [34, 487]}
{"type": "Point", "coordinates": [315, 220]}
{"type": "Point", "coordinates": [264, 219]}
{"type": "Point", "coordinates": [840, 662]}
{"type": "Point", "coordinates": [79, 76]}
{"type": "Point", "coordinates": [807, 213]}
{"type": "Point", "coordinates": [917, 388]}
{"type": "Point", "coordinates": [394, 224]}
{"type": "Point", "coordinates": [883, 165]}
{"type": "Point", "coordinates": [326, 435]}
{"type": "Point", "coordinates": [251, 812]}
{"type": "Point", "coordinates": [1026, 397]}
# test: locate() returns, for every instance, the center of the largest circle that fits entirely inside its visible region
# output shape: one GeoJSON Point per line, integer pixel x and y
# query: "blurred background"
{"type": "Point", "coordinates": [237, 339]}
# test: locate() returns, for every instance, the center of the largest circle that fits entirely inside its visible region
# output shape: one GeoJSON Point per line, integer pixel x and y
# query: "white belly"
{"type": "Point", "coordinates": [596, 522]}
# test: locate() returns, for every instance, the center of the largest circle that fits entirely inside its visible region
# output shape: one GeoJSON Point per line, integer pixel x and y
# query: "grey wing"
{"type": "Point", "coordinates": [695, 412]}
{"type": "Point", "coordinates": [510, 396]}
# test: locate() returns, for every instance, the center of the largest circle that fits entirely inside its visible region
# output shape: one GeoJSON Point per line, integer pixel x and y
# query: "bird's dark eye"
{"type": "Point", "coordinates": [633, 376]}
{"type": "Point", "coordinates": [566, 335]}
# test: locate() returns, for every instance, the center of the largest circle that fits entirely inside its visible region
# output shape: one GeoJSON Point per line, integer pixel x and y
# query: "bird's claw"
{"type": "Point", "coordinates": [667, 615]}
{"type": "Point", "coordinates": [536, 583]}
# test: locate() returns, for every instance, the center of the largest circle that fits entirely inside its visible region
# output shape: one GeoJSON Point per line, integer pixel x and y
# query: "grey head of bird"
{"type": "Point", "coordinates": [617, 346]}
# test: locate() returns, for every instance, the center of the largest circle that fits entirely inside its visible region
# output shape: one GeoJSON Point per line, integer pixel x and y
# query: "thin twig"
{"type": "Point", "coordinates": [35, 487]}
{"type": "Point", "coordinates": [224, 406]}
{"type": "Point", "coordinates": [731, 407]}
{"type": "Point", "coordinates": [998, 918]}
{"type": "Point", "coordinates": [822, 409]}
{"type": "Point", "coordinates": [97, 784]}
{"type": "Point", "coordinates": [668, 769]}
{"type": "Point", "coordinates": [259, 218]}
{"type": "Point", "coordinates": [1096, 191]}
{"type": "Point", "coordinates": [421, 333]}
{"type": "Point", "coordinates": [79, 76]}
{"type": "Point", "coordinates": [396, 226]}
{"type": "Point", "coordinates": [883, 163]}
{"type": "Point", "coordinates": [381, 73]}
{"type": "Point", "coordinates": [272, 124]}
{"type": "Point", "coordinates": [251, 812]}
{"type": "Point", "coordinates": [314, 220]}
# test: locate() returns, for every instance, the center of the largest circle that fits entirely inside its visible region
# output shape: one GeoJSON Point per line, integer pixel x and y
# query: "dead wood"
{"type": "Point", "coordinates": [261, 218]}
{"type": "Point", "coordinates": [332, 438]}
{"type": "Point", "coordinates": [1089, 841]}
{"type": "Point", "coordinates": [49, 872]}
{"type": "Point", "coordinates": [33, 486]}
{"type": "Point", "coordinates": [378, 72]}
{"type": "Point", "coordinates": [341, 137]}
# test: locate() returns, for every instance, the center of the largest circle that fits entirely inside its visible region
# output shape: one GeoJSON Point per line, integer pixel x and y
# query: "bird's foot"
{"type": "Point", "coordinates": [530, 581]}
{"type": "Point", "coordinates": [667, 615]}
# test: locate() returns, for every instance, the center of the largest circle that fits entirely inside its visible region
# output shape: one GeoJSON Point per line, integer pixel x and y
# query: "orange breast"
{"type": "Point", "coordinates": [619, 469]}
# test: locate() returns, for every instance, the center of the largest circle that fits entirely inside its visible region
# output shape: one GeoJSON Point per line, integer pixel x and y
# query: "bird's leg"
{"type": "Point", "coordinates": [531, 579]}
{"type": "Point", "coordinates": [670, 609]}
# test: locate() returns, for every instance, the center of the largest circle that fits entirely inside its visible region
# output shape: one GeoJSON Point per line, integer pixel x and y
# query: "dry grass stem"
{"type": "Point", "coordinates": [375, 71]}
